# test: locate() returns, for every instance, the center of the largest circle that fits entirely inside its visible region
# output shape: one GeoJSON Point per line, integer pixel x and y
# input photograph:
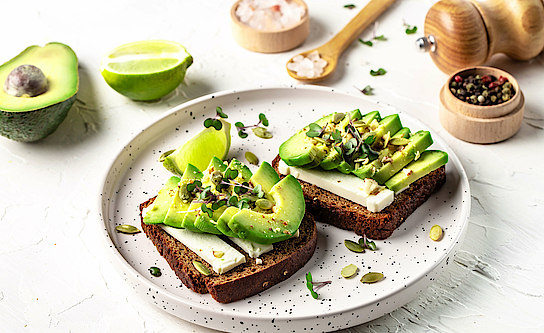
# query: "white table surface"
{"type": "Point", "coordinates": [54, 274]}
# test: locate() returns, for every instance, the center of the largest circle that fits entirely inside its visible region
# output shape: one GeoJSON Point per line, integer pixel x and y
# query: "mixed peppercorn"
{"type": "Point", "coordinates": [482, 90]}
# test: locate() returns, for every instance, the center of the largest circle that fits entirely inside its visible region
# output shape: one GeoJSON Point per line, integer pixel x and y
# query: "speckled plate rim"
{"type": "Point", "coordinates": [127, 272]}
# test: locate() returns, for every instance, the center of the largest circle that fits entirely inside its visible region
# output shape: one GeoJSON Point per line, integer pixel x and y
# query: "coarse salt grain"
{"type": "Point", "coordinates": [269, 14]}
{"type": "Point", "coordinates": [310, 66]}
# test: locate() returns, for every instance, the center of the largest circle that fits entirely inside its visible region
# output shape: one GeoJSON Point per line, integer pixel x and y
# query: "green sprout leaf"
{"type": "Point", "coordinates": [336, 136]}
{"type": "Point", "coordinates": [218, 204]}
{"type": "Point", "coordinates": [217, 124]}
{"type": "Point", "coordinates": [238, 124]}
{"type": "Point", "coordinates": [206, 209]}
{"type": "Point", "coordinates": [367, 90]}
{"type": "Point", "coordinates": [258, 191]}
{"type": "Point", "coordinates": [233, 201]}
{"type": "Point", "coordinates": [349, 6]}
{"type": "Point", "coordinates": [379, 72]}
{"type": "Point", "coordinates": [370, 140]}
{"type": "Point", "coordinates": [231, 173]}
{"type": "Point", "coordinates": [310, 285]}
{"type": "Point", "coordinates": [242, 134]}
{"type": "Point", "coordinates": [220, 112]}
{"type": "Point", "coordinates": [243, 203]}
{"type": "Point", "coordinates": [208, 122]}
{"type": "Point", "coordinates": [368, 43]}
{"type": "Point", "coordinates": [262, 119]}
{"type": "Point", "coordinates": [380, 38]}
{"type": "Point", "coordinates": [192, 186]}
{"type": "Point", "coordinates": [411, 31]}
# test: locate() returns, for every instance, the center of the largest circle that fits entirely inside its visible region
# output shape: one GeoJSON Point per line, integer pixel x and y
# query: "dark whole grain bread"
{"type": "Point", "coordinates": [245, 280]}
{"type": "Point", "coordinates": [346, 214]}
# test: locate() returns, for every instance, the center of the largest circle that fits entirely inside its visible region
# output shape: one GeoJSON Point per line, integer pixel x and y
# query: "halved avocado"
{"type": "Point", "coordinates": [30, 119]}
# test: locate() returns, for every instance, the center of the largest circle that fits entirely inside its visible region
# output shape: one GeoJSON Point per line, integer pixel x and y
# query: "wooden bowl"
{"type": "Point", "coordinates": [481, 124]}
{"type": "Point", "coordinates": [270, 41]}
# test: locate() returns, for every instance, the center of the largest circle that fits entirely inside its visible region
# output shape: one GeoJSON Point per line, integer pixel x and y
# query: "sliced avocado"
{"type": "Point", "coordinates": [209, 225]}
{"type": "Point", "coordinates": [158, 210]}
{"type": "Point", "coordinates": [178, 208]}
{"type": "Point", "coordinates": [389, 124]}
{"type": "Point", "coordinates": [223, 221]}
{"type": "Point", "coordinates": [429, 161]}
{"type": "Point", "coordinates": [419, 141]}
{"type": "Point", "coordinates": [243, 170]}
{"type": "Point", "coordinates": [266, 176]}
{"type": "Point", "coordinates": [280, 225]}
{"type": "Point", "coordinates": [368, 170]}
{"type": "Point", "coordinates": [299, 150]}
{"type": "Point", "coordinates": [332, 160]}
{"type": "Point", "coordinates": [369, 117]}
{"type": "Point", "coordinates": [24, 118]}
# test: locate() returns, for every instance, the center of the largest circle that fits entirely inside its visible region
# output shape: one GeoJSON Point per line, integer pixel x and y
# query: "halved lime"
{"type": "Point", "coordinates": [146, 70]}
{"type": "Point", "coordinates": [200, 149]}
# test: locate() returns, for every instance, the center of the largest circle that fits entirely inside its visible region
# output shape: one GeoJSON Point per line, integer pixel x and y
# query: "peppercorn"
{"type": "Point", "coordinates": [482, 90]}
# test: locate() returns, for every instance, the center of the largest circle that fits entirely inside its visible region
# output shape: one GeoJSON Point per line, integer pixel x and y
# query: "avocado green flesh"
{"type": "Point", "coordinates": [277, 226]}
{"type": "Point", "coordinates": [266, 176]}
{"type": "Point", "coordinates": [331, 161]}
{"type": "Point", "coordinates": [243, 170]}
{"type": "Point", "coordinates": [389, 124]}
{"type": "Point", "coordinates": [223, 221]}
{"type": "Point", "coordinates": [159, 209]}
{"type": "Point", "coordinates": [209, 225]}
{"type": "Point", "coordinates": [419, 141]}
{"type": "Point", "coordinates": [429, 161]}
{"type": "Point", "coordinates": [178, 208]}
{"type": "Point", "coordinates": [299, 150]}
{"type": "Point", "coordinates": [368, 170]}
{"type": "Point", "coordinates": [58, 63]}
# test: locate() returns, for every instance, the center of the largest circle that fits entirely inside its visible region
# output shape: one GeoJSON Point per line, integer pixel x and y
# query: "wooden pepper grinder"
{"type": "Point", "coordinates": [464, 33]}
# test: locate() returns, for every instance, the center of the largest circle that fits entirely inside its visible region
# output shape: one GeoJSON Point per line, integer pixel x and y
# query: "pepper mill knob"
{"type": "Point", "coordinates": [468, 32]}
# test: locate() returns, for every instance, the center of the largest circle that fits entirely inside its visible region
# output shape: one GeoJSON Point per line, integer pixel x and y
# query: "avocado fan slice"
{"type": "Point", "coordinates": [429, 161]}
{"type": "Point", "coordinates": [160, 206]}
{"type": "Point", "coordinates": [178, 207]}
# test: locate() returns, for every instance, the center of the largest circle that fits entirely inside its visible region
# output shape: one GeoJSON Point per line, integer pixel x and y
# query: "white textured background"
{"type": "Point", "coordinates": [54, 275]}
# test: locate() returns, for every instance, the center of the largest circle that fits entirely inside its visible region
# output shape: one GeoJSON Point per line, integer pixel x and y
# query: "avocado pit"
{"type": "Point", "coordinates": [26, 81]}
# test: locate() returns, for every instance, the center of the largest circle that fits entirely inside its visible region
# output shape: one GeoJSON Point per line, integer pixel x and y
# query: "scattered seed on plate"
{"type": "Point", "coordinates": [155, 271]}
{"type": "Point", "coordinates": [354, 247]}
{"type": "Point", "coordinates": [127, 229]}
{"type": "Point", "coordinates": [251, 158]}
{"type": "Point", "coordinates": [262, 132]}
{"type": "Point", "coordinates": [349, 271]}
{"type": "Point", "coordinates": [436, 233]}
{"type": "Point", "coordinates": [372, 277]}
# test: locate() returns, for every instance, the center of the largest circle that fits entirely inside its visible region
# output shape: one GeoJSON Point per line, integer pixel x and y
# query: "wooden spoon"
{"type": "Point", "coordinates": [332, 50]}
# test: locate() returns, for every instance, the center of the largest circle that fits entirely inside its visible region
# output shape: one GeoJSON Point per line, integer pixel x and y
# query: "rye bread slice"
{"type": "Point", "coordinates": [245, 280]}
{"type": "Point", "coordinates": [348, 215]}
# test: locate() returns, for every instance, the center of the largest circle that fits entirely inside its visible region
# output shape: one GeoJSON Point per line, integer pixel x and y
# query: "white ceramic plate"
{"type": "Point", "coordinates": [409, 260]}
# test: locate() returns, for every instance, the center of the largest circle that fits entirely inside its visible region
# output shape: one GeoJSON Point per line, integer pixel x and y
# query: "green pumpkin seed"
{"type": "Point", "coordinates": [399, 141]}
{"type": "Point", "coordinates": [354, 247]}
{"type": "Point", "coordinates": [201, 268]}
{"type": "Point", "coordinates": [155, 271]}
{"type": "Point", "coordinates": [262, 132]}
{"type": "Point", "coordinates": [165, 154]}
{"type": "Point", "coordinates": [127, 229]}
{"type": "Point", "coordinates": [318, 139]}
{"type": "Point", "coordinates": [338, 117]}
{"type": "Point", "coordinates": [184, 194]}
{"type": "Point", "coordinates": [264, 204]}
{"type": "Point", "coordinates": [371, 277]}
{"type": "Point", "coordinates": [251, 158]}
{"type": "Point", "coordinates": [436, 233]}
{"type": "Point", "coordinates": [216, 177]}
{"type": "Point", "coordinates": [349, 271]}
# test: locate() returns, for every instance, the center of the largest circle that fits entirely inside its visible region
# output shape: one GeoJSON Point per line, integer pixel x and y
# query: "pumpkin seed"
{"type": "Point", "coordinates": [318, 139]}
{"type": "Point", "coordinates": [251, 158]}
{"type": "Point", "coordinates": [436, 233]}
{"type": "Point", "coordinates": [184, 194]}
{"type": "Point", "coordinates": [354, 247]}
{"type": "Point", "coordinates": [262, 132]}
{"type": "Point", "coordinates": [165, 154]}
{"type": "Point", "coordinates": [399, 141]}
{"type": "Point", "coordinates": [371, 277]}
{"type": "Point", "coordinates": [338, 117]}
{"type": "Point", "coordinates": [218, 254]}
{"type": "Point", "coordinates": [216, 177]}
{"type": "Point", "coordinates": [127, 229]}
{"type": "Point", "coordinates": [386, 138]}
{"type": "Point", "coordinates": [349, 271]}
{"type": "Point", "coordinates": [155, 271]}
{"type": "Point", "coordinates": [201, 268]}
{"type": "Point", "coordinates": [264, 204]}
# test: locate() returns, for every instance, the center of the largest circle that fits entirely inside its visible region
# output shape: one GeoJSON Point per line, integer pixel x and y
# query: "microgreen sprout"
{"type": "Point", "coordinates": [259, 131]}
{"type": "Point", "coordinates": [374, 37]}
{"type": "Point", "coordinates": [367, 244]}
{"type": "Point", "coordinates": [366, 90]}
{"type": "Point", "coordinates": [410, 30]}
{"type": "Point", "coordinates": [215, 122]}
{"type": "Point", "coordinates": [318, 285]}
{"type": "Point", "coordinates": [351, 6]}
{"type": "Point", "coordinates": [315, 130]}
{"type": "Point", "coordinates": [379, 72]}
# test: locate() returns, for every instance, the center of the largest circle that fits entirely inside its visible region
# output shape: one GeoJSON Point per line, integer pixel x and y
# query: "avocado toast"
{"type": "Point", "coordinates": [363, 172]}
{"type": "Point", "coordinates": [228, 231]}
